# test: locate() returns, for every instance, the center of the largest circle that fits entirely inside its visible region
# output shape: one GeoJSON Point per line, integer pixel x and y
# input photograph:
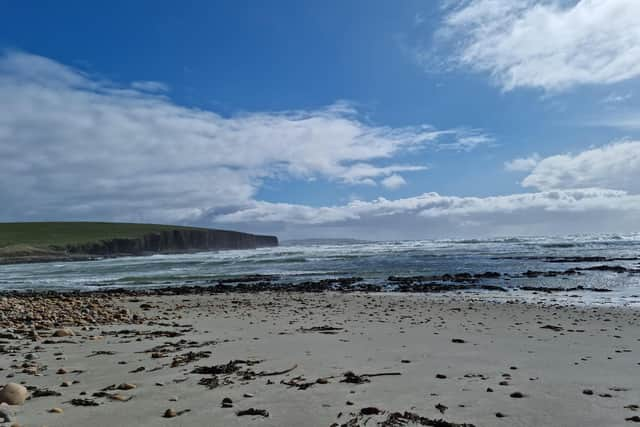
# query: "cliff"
{"type": "Point", "coordinates": [68, 241]}
{"type": "Point", "coordinates": [174, 241]}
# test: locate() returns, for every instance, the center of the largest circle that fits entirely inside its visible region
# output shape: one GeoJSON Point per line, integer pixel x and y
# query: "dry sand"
{"type": "Point", "coordinates": [454, 357]}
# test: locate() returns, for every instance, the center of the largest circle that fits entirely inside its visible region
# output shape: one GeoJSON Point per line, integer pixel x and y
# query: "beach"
{"type": "Point", "coordinates": [318, 359]}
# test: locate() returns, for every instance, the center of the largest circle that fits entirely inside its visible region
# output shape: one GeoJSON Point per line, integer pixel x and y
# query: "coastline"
{"type": "Point", "coordinates": [288, 352]}
{"type": "Point", "coordinates": [32, 242]}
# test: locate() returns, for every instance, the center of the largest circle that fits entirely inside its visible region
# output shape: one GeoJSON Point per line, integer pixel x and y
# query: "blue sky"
{"type": "Point", "coordinates": [126, 110]}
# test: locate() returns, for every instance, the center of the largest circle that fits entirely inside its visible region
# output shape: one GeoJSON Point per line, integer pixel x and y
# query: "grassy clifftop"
{"type": "Point", "coordinates": [48, 241]}
{"type": "Point", "coordinates": [46, 234]}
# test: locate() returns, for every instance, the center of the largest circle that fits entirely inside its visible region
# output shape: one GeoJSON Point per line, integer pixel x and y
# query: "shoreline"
{"type": "Point", "coordinates": [289, 354]}
{"type": "Point", "coordinates": [258, 284]}
{"type": "Point", "coordinates": [70, 257]}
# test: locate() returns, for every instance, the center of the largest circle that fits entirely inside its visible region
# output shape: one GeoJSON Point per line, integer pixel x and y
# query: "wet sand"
{"type": "Point", "coordinates": [319, 359]}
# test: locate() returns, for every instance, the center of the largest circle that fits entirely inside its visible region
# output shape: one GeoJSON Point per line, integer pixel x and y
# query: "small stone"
{"type": "Point", "coordinates": [500, 415]}
{"type": "Point", "coordinates": [489, 390]}
{"type": "Point", "coordinates": [516, 395]}
{"type": "Point", "coordinates": [227, 403]}
{"type": "Point", "coordinates": [64, 332]}
{"type": "Point", "coordinates": [66, 384]}
{"type": "Point", "coordinates": [170, 413]}
{"type": "Point", "coordinates": [248, 395]}
{"type": "Point", "coordinates": [56, 410]}
{"type": "Point", "coordinates": [587, 392]}
{"type": "Point", "coordinates": [13, 394]}
{"type": "Point", "coordinates": [61, 371]}
{"type": "Point", "coordinates": [441, 376]}
{"type": "Point", "coordinates": [126, 386]}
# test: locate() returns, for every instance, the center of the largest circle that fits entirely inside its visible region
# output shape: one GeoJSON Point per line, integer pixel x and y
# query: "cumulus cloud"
{"type": "Point", "coordinates": [73, 146]}
{"type": "Point", "coordinates": [393, 182]}
{"type": "Point", "coordinates": [615, 165]}
{"type": "Point", "coordinates": [76, 146]}
{"type": "Point", "coordinates": [594, 190]}
{"type": "Point", "coordinates": [548, 44]}
{"type": "Point", "coordinates": [522, 164]}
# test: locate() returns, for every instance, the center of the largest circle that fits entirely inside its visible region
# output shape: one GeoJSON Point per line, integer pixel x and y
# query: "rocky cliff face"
{"type": "Point", "coordinates": [175, 241]}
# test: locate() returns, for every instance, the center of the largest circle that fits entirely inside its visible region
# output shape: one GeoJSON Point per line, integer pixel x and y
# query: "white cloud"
{"type": "Point", "coordinates": [434, 205]}
{"type": "Point", "coordinates": [435, 215]}
{"type": "Point", "coordinates": [362, 173]}
{"type": "Point", "coordinates": [597, 190]}
{"type": "Point", "coordinates": [548, 44]}
{"type": "Point", "coordinates": [616, 165]}
{"type": "Point", "coordinates": [524, 164]}
{"type": "Point", "coordinates": [464, 139]}
{"type": "Point", "coordinates": [150, 86]}
{"type": "Point", "coordinates": [616, 98]}
{"type": "Point", "coordinates": [75, 146]}
{"type": "Point", "coordinates": [393, 182]}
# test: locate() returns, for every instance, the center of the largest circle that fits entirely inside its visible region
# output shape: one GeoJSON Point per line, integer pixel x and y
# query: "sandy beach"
{"type": "Point", "coordinates": [318, 359]}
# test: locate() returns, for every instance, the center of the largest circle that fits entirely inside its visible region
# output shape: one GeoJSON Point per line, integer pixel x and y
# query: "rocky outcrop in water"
{"type": "Point", "coordinates": [174, 241]}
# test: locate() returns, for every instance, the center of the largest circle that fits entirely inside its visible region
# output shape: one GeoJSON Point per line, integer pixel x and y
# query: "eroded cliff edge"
{"type": "Point", "coordinates": [174, 241]}
{"type": "Point", "coordinates": [157, 240]}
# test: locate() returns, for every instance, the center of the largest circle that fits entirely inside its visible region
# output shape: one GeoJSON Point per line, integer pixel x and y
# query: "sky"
{"type": "Point", "coordinates": [366, 119]}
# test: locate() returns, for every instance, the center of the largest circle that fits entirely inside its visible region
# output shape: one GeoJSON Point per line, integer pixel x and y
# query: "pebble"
{"type": "Point", "coordinates": [170, 413]}
{"type": "Point", "coordinates": [64, 332]}
{"type": "Point", "coordinates": [31, 370]}
{"type": "Point", "coordinates": [120, 397]}
{"type": "Point", "coordinates": [227, 403]}
{"type": "Point", "coordinates": [56, 410]}
{"type": "Point", "coordinates": [13, 394]}
{"type": "Point", "coordinates": [126, 386]}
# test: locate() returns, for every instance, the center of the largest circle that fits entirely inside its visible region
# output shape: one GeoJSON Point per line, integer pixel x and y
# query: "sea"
{"type": "Point", "coordinates": [604, 261]}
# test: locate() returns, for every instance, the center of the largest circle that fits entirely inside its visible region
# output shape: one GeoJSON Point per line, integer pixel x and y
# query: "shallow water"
{"type": "Point", "coordinates": [373, 261]}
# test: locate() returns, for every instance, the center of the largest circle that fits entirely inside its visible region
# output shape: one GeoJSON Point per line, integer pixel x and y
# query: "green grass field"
{"type": "Point", "coordinates": [59, 234]}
